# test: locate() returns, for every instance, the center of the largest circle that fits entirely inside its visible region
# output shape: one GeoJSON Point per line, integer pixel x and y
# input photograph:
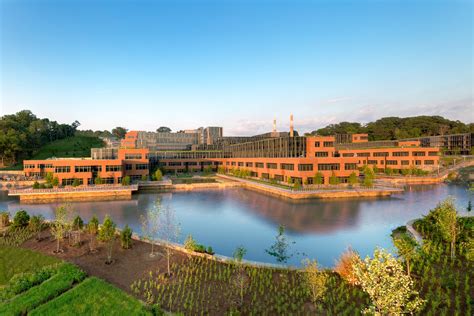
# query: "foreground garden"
{"type": "Point", "coordinates": [92, 269]}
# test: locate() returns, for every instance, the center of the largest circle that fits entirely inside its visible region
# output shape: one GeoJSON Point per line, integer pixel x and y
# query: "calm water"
{"type": "Point", "coordinates": [225, 219]}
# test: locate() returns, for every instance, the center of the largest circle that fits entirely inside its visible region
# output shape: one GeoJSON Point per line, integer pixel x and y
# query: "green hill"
{"type": "Point", "coordinates": [76, 146]}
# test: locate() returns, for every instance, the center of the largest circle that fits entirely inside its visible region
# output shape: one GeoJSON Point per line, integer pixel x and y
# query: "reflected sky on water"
{"type": "Point", "coordinates": [227, 218]}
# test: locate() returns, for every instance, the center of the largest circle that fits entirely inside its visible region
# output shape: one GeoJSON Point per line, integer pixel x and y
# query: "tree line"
{"type": "Point", "coordinates": [391, 128]}
{"type": "Point", "coordinates": [23, 133]}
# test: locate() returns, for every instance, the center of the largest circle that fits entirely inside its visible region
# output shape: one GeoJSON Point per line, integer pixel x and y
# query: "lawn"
{"type": "Point", "coordinates": [18, 260]}
{"type": "Point", "coordinates": [77, 146]}
{"type": "Point", "coordinates": [93, 297]}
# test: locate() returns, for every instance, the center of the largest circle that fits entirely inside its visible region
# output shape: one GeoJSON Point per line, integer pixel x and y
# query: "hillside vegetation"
{"type": "Point", "coordinates": [391, 128]}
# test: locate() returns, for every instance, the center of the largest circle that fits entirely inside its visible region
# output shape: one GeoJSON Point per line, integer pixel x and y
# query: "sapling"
{"type": "Point", "coordinates": [93, 228]}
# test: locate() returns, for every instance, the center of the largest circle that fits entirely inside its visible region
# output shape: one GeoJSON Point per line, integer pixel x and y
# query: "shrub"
{"type": "Point", "coordinates": [126, 237]}
{"type": "Point", "coordinates": [4, 219]}
{"type": "Point", "coordinates": [21, 219]}
{"type": "Point", "coordinates": [76, 183]}
{"type": "Point", "coordinates": [42, 186]}
{"type": "Point", "coordinates": [144, 177]}
{"type": "Point", "coordinates": [158, 175]}
{"type": "Point", "coordinates": [98, 180]}
{"type": "Point", "coordinates": [345, 266]}
{"type": "Point", "coordinates": [209, 250]}
{"type": "Point", "coordinates": [55, 182]}
{"type": "Point", "coordinates": [333, 179]}
{"type": "Point", "coordinates": [36, 185]}
{"type": "Point", "coordinates": [36, 225]}
{"type": "Point", "coordinates": [78, 223]}
{"type": "Point", "coordinates": [21, 282]}
{"type": "Point", "coordinates": [318, 178]}
{"type": "Point", "coordinates": [190, 243]}
{"type": "Point", "coordinates": [126, 180]}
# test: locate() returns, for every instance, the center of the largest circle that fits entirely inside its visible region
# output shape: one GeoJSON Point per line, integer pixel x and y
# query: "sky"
{"type": "Point", "coordinates": [237, 64]}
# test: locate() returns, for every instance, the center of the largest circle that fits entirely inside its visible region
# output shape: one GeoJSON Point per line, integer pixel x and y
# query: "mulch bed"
{"type": "Point", "coordinates": [128, 265]}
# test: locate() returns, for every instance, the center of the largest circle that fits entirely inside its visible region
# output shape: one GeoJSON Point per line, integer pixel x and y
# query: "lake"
{"type": "Point", "coordinates": [227, 218]}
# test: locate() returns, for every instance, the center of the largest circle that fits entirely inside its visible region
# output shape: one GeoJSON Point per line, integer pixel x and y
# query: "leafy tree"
{"type": "Point", "coordinates": [119, 132]}
{"type": "Point", "coordinates": [239, 254]}
{"type": "Point", "coordinates": [158, 175]}
{"type": "Point", "coordinates": [49, 178]}
{"type": "Point", "coordinates": [107, 235]}
{"type": "Point", "coordinates": [446, 218]}
{"type": "Point", "coordinates": [126, 237]}
{"type": "Point", "coordinates": [221, 170]}
{"type": "Point", "coordinates": [318, 178]}
{"type": "Point", "coordinates": [21, 219]}
{"type": "Point", "coordinates": [297, 184]}
{"type": "Point", "coordinates": [55, 182]}
{"type": "Point", "coordinates": [59, 226]}
{"type": "Point", "coordinates": [333, 180]}
{"type": "Point", "coordinates": [353, 179]}
{"type": "Point", "coordinates": [315, 279]}
{"type": "Point", "coordinates": [98, 180]}
{"type": "Point", "coordinates": [369, 176]}
{"type": "Point", "coordinates": [4, 219]}
{"type": "Point", "coordinates": [36, 185]}
{"type": "Point", "coordinates": [36, 225]}
{"type": "Point", "coordinates": [151, 224]}
{"type": "Point", "coordinates": [76, 182]}
{"type": "Point", "coordinates": [163, 129]}
{"type": "Point", "coordinates": [390, 289]}
{"type": "Point", "coordinates": [406, 248]}
{"type": "Point", "coordinates": [190, 243]}
{"type": "Point", "coordinates": [279, 249]}
{"type": "Point", "coordinates": [144, 177]}
{"type": "Point", "coordinates": [345, 266]}
{"type": "Point", "coordinates": [93, 228]}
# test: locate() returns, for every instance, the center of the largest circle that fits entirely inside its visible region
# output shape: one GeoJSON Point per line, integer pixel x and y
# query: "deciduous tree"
{"type": "Point", "coordinates": [107, 235]}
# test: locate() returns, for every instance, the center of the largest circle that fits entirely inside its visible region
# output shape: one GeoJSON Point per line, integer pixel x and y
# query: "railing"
{"type": "Point", "coordinates": [90, 188]}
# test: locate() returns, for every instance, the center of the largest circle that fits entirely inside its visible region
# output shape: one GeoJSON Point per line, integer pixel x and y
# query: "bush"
{"type": "Point", "coordinates": [190, 243]}
{"type": "Point", "coordinates": [55, 182]}
{"type": "Point", "coordinates": [144, 177]}
{"type": "Point", "coordinates": [76, 183]}
{"type": "Point", "coordinates": [126, 180]}
{"type": "Point", "coordinates": [158, 175]}
{"type": "Point", "coordinates": [78, 223]}
{"type": "Point", "coordinates": [21, 282]}
{"type": "Point", "coordinates": [126, 237]}
{"type": "Point", "coordinates": [36, 185]}
{"type": "Point", "coordinates": [4, 219]}
{"type": "Point", "coordinates": [98, 180]}
{"type": "Point", "coordinates": [21, 219]}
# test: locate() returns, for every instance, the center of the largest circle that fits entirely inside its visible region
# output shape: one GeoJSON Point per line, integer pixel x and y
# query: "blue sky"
{"type": "Point", "coordinates": [237, 64]}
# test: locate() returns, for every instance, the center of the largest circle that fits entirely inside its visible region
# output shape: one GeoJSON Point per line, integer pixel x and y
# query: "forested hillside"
{"type": "Point", "coordinates": [388, 128]}
{"type": "Point", "coordinates": [23, 134]}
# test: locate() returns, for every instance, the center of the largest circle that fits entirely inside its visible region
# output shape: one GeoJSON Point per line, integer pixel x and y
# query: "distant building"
{"type": "Point", "coordinates": [454, 144]}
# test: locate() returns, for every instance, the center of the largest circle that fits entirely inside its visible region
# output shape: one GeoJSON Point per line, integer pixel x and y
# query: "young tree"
{"type": "Point", "coordinates": [390, 289]}
{"type": "Point", "coordinates": [21, 219]}
{"type": "Point", "coordinates": [369, 176]}
{"type": "Point", "coordinates": [406, 248]}
{"type": "Point", "coordinates": [239, 254]}
{"type": "Point", "coordinates": [59, 226]}
{"type": "Point", "coordinates": [353, 179]}
{"type": "Point", "coordinates": [126, 237]}
{"type": "Point", "coordinates": [126, 180]}
{"type": "Point", "coordinates": [158, 175]}
{"type": "Point", "coordinates": [76, 182]}
{"type": "Point", "coordinates": [77, 226]}
{"type": "Point", "coordinates": [93, 228]}
{"type": "Point", "coordinates": [318, 178]}
{"type": "Point", "coordinates": [315, 279]}
{"type": "Point", "coordinates": [333, 180]}
{"type": "Point", "coordinates": [345, 266]}
{"type": "Point", "coordinates": [107, 235]}
{"type": "Point", "coordinates": [279, 249]}
{"type": "Point", "coordinates": [469, 206]}
{"type": "Point", "coordinates": [447, 224]}
{"type": "Point", "coordinates": [169, 231]}
{"type": "Point", "coordinates": [49, 178]}
{"type": "Point", "coordinates": [119, 132]}
{"type": "Point", "coordinates": [36, 225]}
{"type": "Point", "coordinates": [98, 180]}
{"type": "Point", "coordinates": [151, 224]}
{"type": "Point", "coordinates": [55, 182]}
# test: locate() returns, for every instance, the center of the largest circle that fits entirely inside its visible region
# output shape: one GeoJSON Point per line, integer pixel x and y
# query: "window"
{"type": "Point", "coordinates": [278, 177]}
{"type": "Point", "coordinates": [82, 169]}
{"type": "Point", "coordinates": [265, 176]}
{"type": "Point", "coordinates": [321, 154]}
{"type": "Point", "coordinates": [233, 163]}
{"type": "Point", "coordinates": [133, 156]}
{"type": "Point", "coordinates": [405, 162]}
{"type": "Point", "coordinates": [372, 162]}
{"type": "Point", "coordinates": [62, 169]}
{"type": "Point", "coordinates": [363, 154]}
{"type": "Point", "coordinates": [253, 174]}
{"type": "Point", "coordinates": [287, 166]}
{"type": "Point", "coordinates": [194, 163]}
{"type": "Point", "coordinates": [227, 163]}
{"type": "Point", "coordinates": [305, 167]}
{"type": "Point", "coordinates": [249, 164]}
{"type": "Point", "coordinates": [391, 162]}
{"type": "Point", "coordinates": [429, 162]}
{"type": "Point", "coordinates": [350, 166]}
{"type": "Point", "coordinates": [381, 154]}
{"type": "Point", "coordinates": [48, 166]}
{"type": "Point", "coordinates": [128, 166]}
{"type": "Point", "coordinates": [433, 153]}
{"type": "Point", "coordinates": [348, 155]}
{"type": "Point", "coordinates": [108, 180]}
{"type": "Point", "coordinates": [328, 144]}
{"type": "Point", "coordinates": [417, 162]}
{"type": "Point", "coordinates": [112, 168]}
{"type": "Point", "coordinates": [419, 153]}
{"type": "Point", "coordinates": [400, 153]}
{"type": "Point", "coordinates": [29, 166]}
{"type": "Point", "coordinates": [272, 166]}
{"type": "Point", "coordinates": [141, 166]}
{"type": "Point", "coordinates": [328, 166]}
{"type": "Point", "coordinates": [241, 164]}
{"type": "Point", "coordinates": [259, 164]}
{"type": "Point", "coordinates": [317, 144]}
{"type": "Point", "coordinates": [174, 163]}
{"type": "Point", "coordinates": [70, 181]}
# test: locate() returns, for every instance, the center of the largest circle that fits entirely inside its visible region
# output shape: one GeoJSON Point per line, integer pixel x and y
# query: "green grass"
{"type": "Point", "coordinates": [18, 260]}
{"type": "Point", "coordinates": [67, 276]}
{"type": "Point", "coordinates": [92, 297]}
{"type": "Point", "coordinates": [77, 146]}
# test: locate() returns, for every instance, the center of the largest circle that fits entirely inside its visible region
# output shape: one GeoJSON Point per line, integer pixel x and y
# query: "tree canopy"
{"type": "Point", "coordinates": [23, 133]}
{"type": "Point", "coordinates": [391, 128]}
{"type": "Point", "coordinates": [163, 129]}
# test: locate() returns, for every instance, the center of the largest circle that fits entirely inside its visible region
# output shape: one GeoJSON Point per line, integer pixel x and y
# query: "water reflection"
{"type": "Point", "coordinates": [225, 219]}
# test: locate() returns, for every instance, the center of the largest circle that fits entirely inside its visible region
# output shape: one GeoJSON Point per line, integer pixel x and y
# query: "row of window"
{"type": "Point", "coordinates": [133, 156]}
{"type": "Point", "coordinates": [140, 166]}
{"type": "Point", "coordinates": [325, 144]}
{"type": "Point", "coordinates": [394, 154]}
{"type": "Point", "coordinates": [402, 162]}
{"type": "Point", "coordinates": [301, 167]}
